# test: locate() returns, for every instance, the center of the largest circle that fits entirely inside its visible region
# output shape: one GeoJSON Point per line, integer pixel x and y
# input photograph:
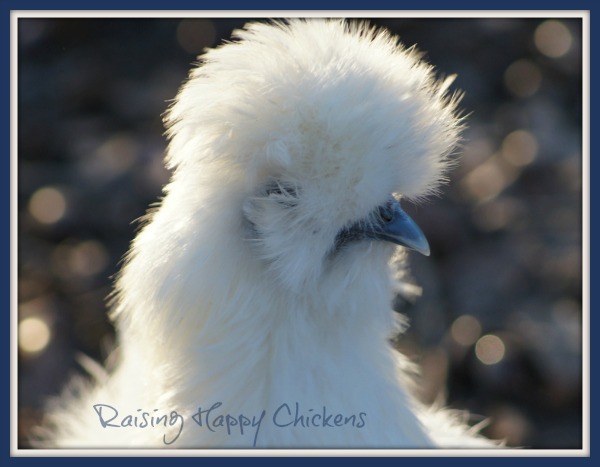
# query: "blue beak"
{"type": "Point", "coordinates": [394, 225]}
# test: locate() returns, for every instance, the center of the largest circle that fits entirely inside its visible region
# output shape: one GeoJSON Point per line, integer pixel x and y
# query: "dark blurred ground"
{"type": "Point", "coordinates": [498, 328]}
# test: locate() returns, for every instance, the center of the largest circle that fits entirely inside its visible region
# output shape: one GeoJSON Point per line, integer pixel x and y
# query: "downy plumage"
{"type": "Point", "coordinates": [265, 277]}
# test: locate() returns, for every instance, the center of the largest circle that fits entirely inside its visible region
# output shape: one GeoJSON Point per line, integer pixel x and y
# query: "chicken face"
{"type": "Point", "coordinates": [286, 235]}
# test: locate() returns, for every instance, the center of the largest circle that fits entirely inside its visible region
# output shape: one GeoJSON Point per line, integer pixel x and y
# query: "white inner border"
{"type": "Point", "coordinates": [584, 452]}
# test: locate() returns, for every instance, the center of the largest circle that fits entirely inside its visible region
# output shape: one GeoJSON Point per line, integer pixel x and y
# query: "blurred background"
{"type": "Point", "coordinates": [498, 327]}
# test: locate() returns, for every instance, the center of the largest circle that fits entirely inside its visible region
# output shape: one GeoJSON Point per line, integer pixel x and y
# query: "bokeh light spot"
{"type": "Point", "coordinates": [116, 155]}
{"type": "Point", "coordinates": [510, 424]}
{"type": "Point", "coordinates": [48, 205]}
{"type": "Point", "coordinates": [88, 258]}
{"type": "Point", "coordinates": [553, 38]}
{"type": "Point", "coordinates": [519, 148]}
{"type": "Point", "coordinates": [79, 259]}
{"type": "Point", "coordinates": [34, 335]}
{"type": "Point", "coordinates": [496, 214]}
{"type": "Point", "coordinates": [523, 78]}
{"type": "Point", "coordinates": [465, 330]}
{"type": "Point", "coordinates": [490, 349]}
{"type": "Point", "coordinates": [486, 181]}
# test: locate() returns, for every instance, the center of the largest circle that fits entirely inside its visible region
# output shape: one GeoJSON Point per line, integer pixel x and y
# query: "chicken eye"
{"type": "Point", "coordinates": [282, 192]}
{"type": "Point", "coordinates": [281, 189]}
{"type": "Point", "coordinates": [386, 212]}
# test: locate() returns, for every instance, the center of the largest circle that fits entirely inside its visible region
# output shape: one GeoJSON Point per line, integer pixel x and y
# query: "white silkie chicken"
{"type": "Point", "coordinates": [254, 308]}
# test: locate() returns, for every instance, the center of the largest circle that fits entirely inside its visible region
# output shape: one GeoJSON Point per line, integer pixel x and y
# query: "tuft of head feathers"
{"type": "Point", "coordinates": [237, 290]}
{"type": "Point", "coordinates": [338, 115]}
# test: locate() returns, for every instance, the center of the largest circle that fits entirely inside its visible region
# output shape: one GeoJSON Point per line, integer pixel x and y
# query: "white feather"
{"type": "Point", "coordinates": [232, 293]}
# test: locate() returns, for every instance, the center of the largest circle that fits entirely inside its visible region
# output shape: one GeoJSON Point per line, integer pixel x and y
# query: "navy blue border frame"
{"type": "Point", "coordinates": [5, 8]}
{"type": "Point", "coordinates": [306, 5]}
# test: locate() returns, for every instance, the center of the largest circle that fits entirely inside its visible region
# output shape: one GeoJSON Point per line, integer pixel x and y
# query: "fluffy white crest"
{"type": "Point", "coordinates": [341, 113]}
